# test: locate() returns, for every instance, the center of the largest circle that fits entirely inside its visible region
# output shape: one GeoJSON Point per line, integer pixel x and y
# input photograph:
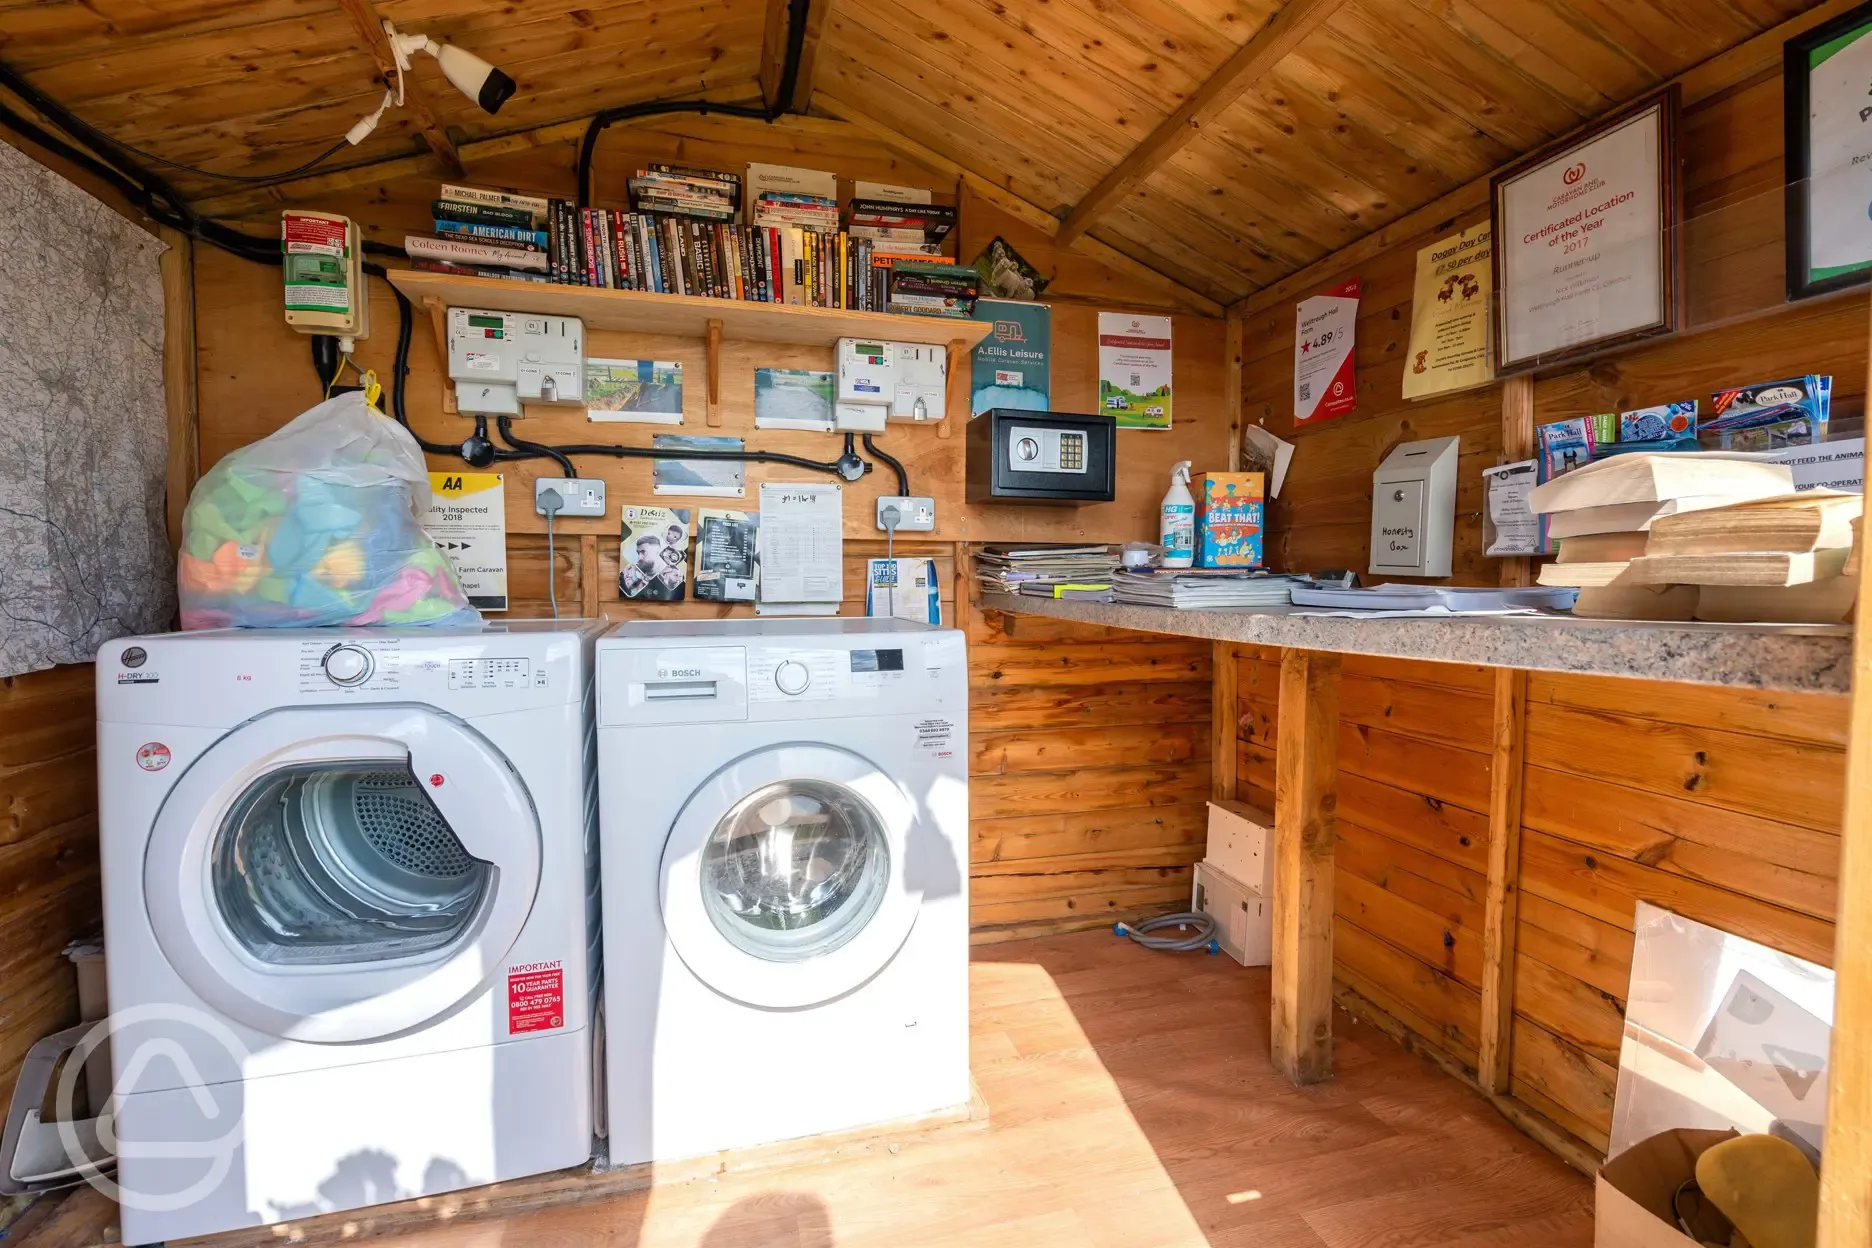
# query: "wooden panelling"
{"type": "Point", "coordinates": [48, 852]}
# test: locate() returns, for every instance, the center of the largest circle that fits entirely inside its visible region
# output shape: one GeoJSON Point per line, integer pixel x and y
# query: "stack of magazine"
{"type": "Point", "coordinates": [1204, 589]}
{"type": "Point", "coordinates": [1046, 571]}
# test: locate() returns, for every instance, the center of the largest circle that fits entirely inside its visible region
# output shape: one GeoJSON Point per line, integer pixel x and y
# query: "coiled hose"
{"type": "Point", "coordinates": [1203, 937]}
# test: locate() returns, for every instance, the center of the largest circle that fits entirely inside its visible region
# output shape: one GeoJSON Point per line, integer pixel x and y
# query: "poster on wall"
{"type": "Point", "coordinates": [467, 519]}
{"type": "Point", "coordinates": [1324, 332]}
{"type": "Point", "coordinates": [1134, 369]}
{"type": "Point", "coordinates": [1586, 239]}
{"type": "Point", "coordinates": [1829, 155]}
{"type": "Point", "coordinates": [1013, 364]}
{"type": "Point", "coordinates": [1450, 343]}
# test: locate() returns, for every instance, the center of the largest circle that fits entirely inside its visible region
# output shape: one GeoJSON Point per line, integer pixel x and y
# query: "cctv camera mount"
{"type": "Point", "coordinates": [473, 77]}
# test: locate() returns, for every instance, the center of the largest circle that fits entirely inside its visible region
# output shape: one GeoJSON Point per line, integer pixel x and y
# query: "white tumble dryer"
{"type": "Point", "coordinates": [784, 819]}
{"type": "Point", "coordinates": [350, 909]}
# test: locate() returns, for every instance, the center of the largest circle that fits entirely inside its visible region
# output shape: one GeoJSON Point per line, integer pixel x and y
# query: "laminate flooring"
{"type": "Point", "coordinates": [1130, 1105]}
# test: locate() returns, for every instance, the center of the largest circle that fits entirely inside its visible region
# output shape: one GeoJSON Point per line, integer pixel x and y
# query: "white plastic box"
{"type": "Point", "coordinates": [1244, 927]}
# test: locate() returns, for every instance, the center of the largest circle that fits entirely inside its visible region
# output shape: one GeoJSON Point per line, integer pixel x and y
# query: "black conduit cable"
{"type": "Point", "coordinates": [535, 449]}
{"type": "Point", "coordinates": [890, 461]}
{"type": "Point", "coordinates": [789, 80]}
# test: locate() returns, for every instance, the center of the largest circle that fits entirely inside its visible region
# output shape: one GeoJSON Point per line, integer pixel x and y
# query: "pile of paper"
{"type": "Point", "coordinates": [1199, 589]}
{"type": "Point", "coordinates": [1047, 571]}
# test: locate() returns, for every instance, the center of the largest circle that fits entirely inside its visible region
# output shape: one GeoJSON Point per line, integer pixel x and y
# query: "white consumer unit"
{"type": "Point", "coordinates": [500, 360]}
{"type": "Point", "coordinates": [785, 861]}
{"type": "Point", "coordinates": [349, 899]}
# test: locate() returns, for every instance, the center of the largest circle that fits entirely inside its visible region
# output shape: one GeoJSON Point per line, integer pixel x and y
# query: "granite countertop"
{"type": "Point", "coordinates": [1796, 657]}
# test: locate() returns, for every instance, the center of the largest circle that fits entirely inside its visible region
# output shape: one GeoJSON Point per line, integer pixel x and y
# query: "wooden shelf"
{"type": "Point", "coordinates": [645, 312]}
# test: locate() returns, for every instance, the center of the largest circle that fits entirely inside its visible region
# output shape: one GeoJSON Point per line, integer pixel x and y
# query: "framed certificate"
{"type": "Point", "coordinates": [1829, 156]}
{"type": "Point", "coordinates": [1587, 247]}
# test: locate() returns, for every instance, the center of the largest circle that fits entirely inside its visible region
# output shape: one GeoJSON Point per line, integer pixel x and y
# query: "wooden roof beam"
{"type": "Point", "coordinates": [369, 24]}
{"type": "Point", "coordinates": [1023, 210]}
{"type": "Point", "coordinates": [1250, 63]}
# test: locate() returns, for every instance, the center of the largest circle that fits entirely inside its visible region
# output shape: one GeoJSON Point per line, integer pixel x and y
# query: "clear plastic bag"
{"type": "Point", "coordinates": [318, 524]}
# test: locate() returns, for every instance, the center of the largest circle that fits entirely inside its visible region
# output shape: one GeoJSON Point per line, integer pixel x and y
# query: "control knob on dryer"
{"type": "Point", "coordinates": [348, 665]}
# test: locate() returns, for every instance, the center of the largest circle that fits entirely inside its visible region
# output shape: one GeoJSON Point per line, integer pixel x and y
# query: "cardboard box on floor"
{"type": "Point", "coordinates": [1723, 1037]}
{"type": "Point", "coordinates": [1632, 1193]}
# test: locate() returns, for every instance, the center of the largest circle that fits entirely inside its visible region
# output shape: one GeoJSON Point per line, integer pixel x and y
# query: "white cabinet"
{"type": "Point", "coordinates": [1414, 509]}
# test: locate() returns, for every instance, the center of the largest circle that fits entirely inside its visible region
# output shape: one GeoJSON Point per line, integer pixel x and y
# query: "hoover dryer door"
{"type": "Point", "coordinates": [336, 875]}
{"type": "Point", "coordinates": [783, 876]}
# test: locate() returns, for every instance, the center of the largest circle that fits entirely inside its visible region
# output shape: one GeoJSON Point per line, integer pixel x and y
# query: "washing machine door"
{"type": "Point", "coordinates": [343, 874]}
{"type": "Point", "coordinates": [783, 881]}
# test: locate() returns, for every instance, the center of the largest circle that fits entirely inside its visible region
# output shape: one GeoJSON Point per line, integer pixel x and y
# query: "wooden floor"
{"type": "Point", "coordinates": [1131, 1105]}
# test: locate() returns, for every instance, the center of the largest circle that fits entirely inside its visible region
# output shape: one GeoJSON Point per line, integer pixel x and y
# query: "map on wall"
{"type": "Point", "coordinates": [84, 556]}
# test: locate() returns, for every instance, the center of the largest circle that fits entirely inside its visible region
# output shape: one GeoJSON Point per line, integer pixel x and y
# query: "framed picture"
{"type": "Point", "coordinates": [1829, 156]}
{"type": "Point", "coordinates": [1587, 249]}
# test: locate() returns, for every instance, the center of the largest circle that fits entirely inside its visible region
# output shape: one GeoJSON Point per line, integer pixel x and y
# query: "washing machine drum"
{"type": "Point", "coordinates": [342, 863]}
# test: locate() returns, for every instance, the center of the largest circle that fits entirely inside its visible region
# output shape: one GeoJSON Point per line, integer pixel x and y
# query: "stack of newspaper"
{"type": "Point", "coordinates": [1047, 571]}
{"type": "Point", "coordinates": [1203, 589]}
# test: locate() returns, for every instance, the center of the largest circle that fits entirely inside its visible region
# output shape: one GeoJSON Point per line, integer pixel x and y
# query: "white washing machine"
{"type": "Point", "coordinates": [350, 912]}
{"type": "Point", "coordinates": [783, 808]}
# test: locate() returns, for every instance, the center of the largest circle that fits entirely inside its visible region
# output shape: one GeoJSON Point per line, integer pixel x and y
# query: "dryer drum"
{"type": "Point", "coordinates": [348, 862]}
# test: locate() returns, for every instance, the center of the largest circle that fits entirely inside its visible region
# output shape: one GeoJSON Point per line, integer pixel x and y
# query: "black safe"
{"type": "Point", "coordinates": [1041, 457]}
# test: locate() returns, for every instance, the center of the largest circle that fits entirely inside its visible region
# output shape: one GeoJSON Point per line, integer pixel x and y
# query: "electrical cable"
{"type": "Point", "coordinates": [551, 502]}
{"type": "Point", "coordinates": [892, 462]}
{"type": "Point", "coordinates": [505, 425]}
{"type": "Point", "coordinates": [1202, 938]}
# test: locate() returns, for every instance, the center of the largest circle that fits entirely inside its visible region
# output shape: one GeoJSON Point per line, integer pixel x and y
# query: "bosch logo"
{"type": "Point", "coordinates": [1574, 173]}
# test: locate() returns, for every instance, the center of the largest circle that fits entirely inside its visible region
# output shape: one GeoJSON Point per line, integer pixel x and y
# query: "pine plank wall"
{"type": "Point", "coordinates": [1719, 804]}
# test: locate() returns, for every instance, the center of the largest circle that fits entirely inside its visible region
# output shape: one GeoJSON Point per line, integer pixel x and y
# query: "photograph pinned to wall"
{"type": "Point", "coordinates": [653, 557]}
{"type": "Point", "coordinates": [793, 398]}
{"type": "Point", "coordinates": [1587, 249]}
{"type": "Point", "coordinates": [645, 392]}
{"type": "Point", "coordinates": [727, 558]}
{"type": "Point", "coordinates": [1451, 346]}
{"type": "Point", "coordinates": [1829, 155]}
{"type": "Point", "coordinates": [1134, 369]}
{"type": "Point", "coordinates": [1006, 274]}
{"type": "Point", "coordinates": [1013, 364]}
{"type": "Point", "coordinates": [1325, 328]}
{"type": "Point", "coordinates": [709, 478]}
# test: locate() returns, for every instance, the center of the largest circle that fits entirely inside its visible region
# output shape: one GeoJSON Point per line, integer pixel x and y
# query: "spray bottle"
{"type": "Point", "coordinates": [1177, 519]}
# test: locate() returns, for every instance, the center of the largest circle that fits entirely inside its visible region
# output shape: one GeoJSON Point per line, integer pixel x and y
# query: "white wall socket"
{"type": "Point", "coordinates": [919, 514]}
{"type": "Point", "coordinates": [584, 496]}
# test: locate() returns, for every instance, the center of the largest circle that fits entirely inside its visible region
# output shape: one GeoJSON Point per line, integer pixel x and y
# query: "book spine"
{"type": "Point", "coordinates": [552, 242]}
{"type": "Point", "coordinates": [533, 240]}
{"type": "Point", "coordinates": [601, 222]}
{"type": "Point", "coordinates": [485, 214]}
{"type": "Point", "coordinates": [462, 251]}
{"type": "Point", "coordinates": [493, 198]}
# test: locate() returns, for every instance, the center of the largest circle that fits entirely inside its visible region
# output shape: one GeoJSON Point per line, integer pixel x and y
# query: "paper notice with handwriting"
{"type": "Point", "coordinates": [801, 543]}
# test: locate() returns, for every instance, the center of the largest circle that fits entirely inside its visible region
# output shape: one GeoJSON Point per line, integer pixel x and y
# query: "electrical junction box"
{"type": "Point", "coordinates": [1244, 920]}
{"type": "Point", "coordinates": [322, 261]}
{"type": "Point", "coordinates": [867, 380]}
{"type": "Point", "coordinates": [1041, 457]}
{"type": "Point", "coordinates": [500, 360]}
{"type": "Point", "coordinates": [1414, 509]}
{"type": "Point", "coordinates": [922, 382]}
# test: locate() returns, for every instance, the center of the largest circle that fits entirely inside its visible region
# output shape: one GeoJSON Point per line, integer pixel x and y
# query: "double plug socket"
{"type": "Point", "coordinates": [581, 496]}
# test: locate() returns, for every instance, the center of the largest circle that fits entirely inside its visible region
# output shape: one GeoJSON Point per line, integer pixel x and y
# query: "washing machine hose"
{"type": "Point", "coordinates": [1202, 937]}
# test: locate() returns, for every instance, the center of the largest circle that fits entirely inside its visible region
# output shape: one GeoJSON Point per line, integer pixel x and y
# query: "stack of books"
{"type": "Point", "coordinates": [1047, 571]}
{"type": "Point", "coordinates": [481, 232]}
{"type": "Point", "coordinates": [911, 230]}
{"type": "Point", "coordinates": [1204, 589]}
{"type": "Point", "coordinates": [932, 288]}
{"type": "Point", "coordinates": [1603, 516]}
{"type": "Point", "coordinates": [705, 194]}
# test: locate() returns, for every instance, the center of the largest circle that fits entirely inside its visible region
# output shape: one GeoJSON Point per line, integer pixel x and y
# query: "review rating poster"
{"type": "Point", "coordinates": [1323, 333]}
{"type": "Point", "coordinates": [468, 520]}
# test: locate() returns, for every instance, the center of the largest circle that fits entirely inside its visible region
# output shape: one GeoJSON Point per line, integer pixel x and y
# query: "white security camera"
{"type": "Point", "coordinates": [472, 76]}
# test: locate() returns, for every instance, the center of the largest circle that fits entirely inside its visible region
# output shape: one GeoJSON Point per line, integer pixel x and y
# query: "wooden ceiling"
{"type": "Point", "coordinates": [1223, 143]}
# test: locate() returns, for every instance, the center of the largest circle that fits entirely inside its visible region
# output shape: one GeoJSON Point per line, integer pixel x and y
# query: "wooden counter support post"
{"type": "Point", "coordinates": [1846, 1172]}
{"type": "Point", "coordinates": [1223, 719]}
{"type": "Point", "coordinates": [956, 403]}
{"type": "Point", "coordinates": [1504, 877]}
{"type": "Point", "coordinates": [1306, 763]}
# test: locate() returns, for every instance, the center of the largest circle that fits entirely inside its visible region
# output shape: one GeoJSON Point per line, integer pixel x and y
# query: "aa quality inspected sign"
{"type": "Point", "coordinates": [468, 520]}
